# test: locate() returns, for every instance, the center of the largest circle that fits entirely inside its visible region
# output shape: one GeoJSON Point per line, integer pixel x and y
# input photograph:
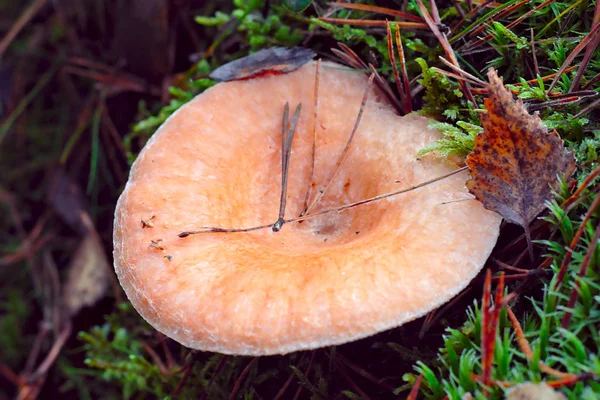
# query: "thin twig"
{"type": "Point", "coordinates": [286, 150]}
{"type": "Point", "coordinates": [462, 72]}
{"type": "Point", "coordinates": [331, 210]}
{"type": "Point", "coordinates": [342, 157]}
{"type": "Point", "coordinates": [311, 173]}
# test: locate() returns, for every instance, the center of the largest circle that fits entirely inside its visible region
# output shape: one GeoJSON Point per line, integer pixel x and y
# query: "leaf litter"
{"type": "Point", "coordinates": [515, 162]}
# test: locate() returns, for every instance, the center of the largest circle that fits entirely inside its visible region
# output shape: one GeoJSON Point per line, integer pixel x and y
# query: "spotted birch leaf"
{"type": "Point", "coordinates": [515, 162]}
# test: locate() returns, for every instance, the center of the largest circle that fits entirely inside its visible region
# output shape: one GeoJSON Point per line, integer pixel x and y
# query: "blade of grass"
{"type": "Point", "coordinates": [557, 18]}
{"type": "Point", "coordinates": [95, 149]}
{"type": "Point", "coordinates": [28, 99]}
{"type": "Point", "coordinates": [27, 15]}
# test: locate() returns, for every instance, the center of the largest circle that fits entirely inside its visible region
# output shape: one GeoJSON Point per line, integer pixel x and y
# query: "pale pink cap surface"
{"type": "Point", "coordinates": [329, 280]}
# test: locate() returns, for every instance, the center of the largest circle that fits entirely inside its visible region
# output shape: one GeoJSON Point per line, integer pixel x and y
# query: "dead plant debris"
{"type": "Point", "coordinates": [515, 162]}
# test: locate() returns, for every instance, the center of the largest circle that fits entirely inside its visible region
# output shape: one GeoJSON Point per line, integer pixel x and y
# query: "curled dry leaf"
{"type": "Point", "coordinates": [515, 161]}
{"type": "Point", "coordinates": [534, 391]}
{"type": "Point", "coordinates": [88, 276]}
{"type": "Point", "coordinates": [275, 60]}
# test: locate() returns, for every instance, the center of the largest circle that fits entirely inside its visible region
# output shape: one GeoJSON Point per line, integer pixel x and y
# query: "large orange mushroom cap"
{"type": "Point", "coordinates": [328, 280]}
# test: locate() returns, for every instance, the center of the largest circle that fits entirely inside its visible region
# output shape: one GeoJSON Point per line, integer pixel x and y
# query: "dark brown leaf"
{"type": "Point", "coordinates": [516, 161]}
{"type": "Point", "coordinates": [275, 60]}
{"type": "Point", "coordinates": [67, 199]}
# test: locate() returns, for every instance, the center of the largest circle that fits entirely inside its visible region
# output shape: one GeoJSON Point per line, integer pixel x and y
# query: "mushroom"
{"type": "Point", "coordinates": [329, 279]}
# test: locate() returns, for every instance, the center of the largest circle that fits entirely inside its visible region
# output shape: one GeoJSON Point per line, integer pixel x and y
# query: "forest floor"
{"type": "Point", "coordinates": [84, 84]}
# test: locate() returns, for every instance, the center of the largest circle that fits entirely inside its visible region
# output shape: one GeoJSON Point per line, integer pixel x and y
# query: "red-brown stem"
{"type": "Point", "coordinates": [497, 304]}
{"type": "Point", "coordinates": [161, 366]}
{"type": "Point", "coordinates": [379, 10]}
{"type": "Point", "coordinates": [496, 17]}
{"type": "Point", "coordinates": [407, 94]}
{"type": "Point", "coordinates": [588, 180]}
{"type": "Point", "coordinates": [373, 23]}
{"type": "Point", "coordinates": [240, 379]}
{"type": "Point", "coordinates": [414, 391]}
{"type": "Point", "coordinates": [569, 380]}
{"type": "Point", "coordinates": [512, 25]}
{"type": "Point", "coordinates": [526, 348]}
{"type": "Point", "coordinates": [218, 370]}
{"type": "Point", "coordinates": [186, 374]}
{"type": "Point", "coordinates": [390, 45]}
{"type": "Point", "coordinates": [472, 12]}
{"type": "Point", "coordinates": [8, 374]}
{"type": "Point", "coordinates": [486, 348]}
{"type": "Point", "coordinates": [523, 343]}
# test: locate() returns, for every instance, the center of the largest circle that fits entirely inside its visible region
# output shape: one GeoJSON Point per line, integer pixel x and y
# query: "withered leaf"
{"type": "Point", "coordinates": [277, 60]}
{"type": "Point", "coordinates": [534, 391]}
{"type": "Point", "coordinates": [67, 199]}
{"type": "Point", "coordinates": [88, 275]}
{"type": "Point", "coordinates": [515, 161]}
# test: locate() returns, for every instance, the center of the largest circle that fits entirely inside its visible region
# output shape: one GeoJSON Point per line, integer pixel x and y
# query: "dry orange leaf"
{"type": "Point", "coordinates": [515, 161]}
